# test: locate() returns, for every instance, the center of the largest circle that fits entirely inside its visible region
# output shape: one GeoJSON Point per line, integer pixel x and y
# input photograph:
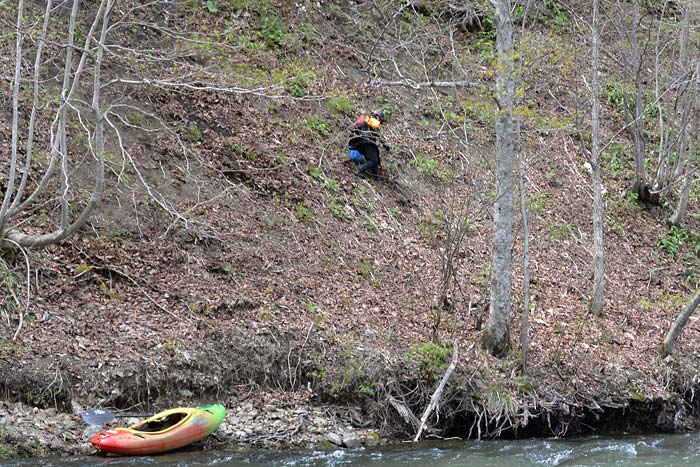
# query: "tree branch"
{"type": "Point", "coordinates": [378, 82]}
{"type": "Point", "coordinates": [435, 399]}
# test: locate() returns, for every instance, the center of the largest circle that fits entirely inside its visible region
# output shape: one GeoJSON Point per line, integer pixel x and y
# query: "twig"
{"type": "Point", "coordinates": [435, 399]}
{"type": "Point", "coordinates": [125, 275]}
{"type": "Point", "coordinates": [29, 278]}
{"type": "Point", "coordinates": [280, 435]}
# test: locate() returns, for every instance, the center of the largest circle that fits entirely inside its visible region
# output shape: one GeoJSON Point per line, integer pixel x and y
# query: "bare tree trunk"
{"type": "Point", "coordinates": [694, 108]}
{"type": "Point", "coordinates": [35, 105]}
{"type": "Point", "coordinates": [597, 297]}
{"type": "Point", "coordinates": [634, 105]}
{"type": "Point", "coordinates": [497, 338]}
{"type": "Point", "coordinates": [682, 205]}
{"type": "Point", "coordinates": [15, 118]}
{"type": "Point", "coordinates": [525, 312]}
{"type": "Point", "coordinates": [637, 127]}
{"type": "Point", "coordinates": [67, 227]}
{"type": "Point", "coordinates": [672, 90]}
{"type": "Point", "coordinates": [679, 324]}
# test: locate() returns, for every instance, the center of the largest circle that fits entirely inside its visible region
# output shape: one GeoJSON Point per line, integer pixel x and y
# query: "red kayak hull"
{"type": "Point", "coordinates": [165, 431]}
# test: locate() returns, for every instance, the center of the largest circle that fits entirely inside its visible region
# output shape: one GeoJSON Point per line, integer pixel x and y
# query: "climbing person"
{"type": "Point", "coordinates": [365, 138]}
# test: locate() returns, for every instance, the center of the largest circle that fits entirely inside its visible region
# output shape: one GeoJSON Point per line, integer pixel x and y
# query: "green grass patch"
{"type": "Point", "coordinates": [314, 124]}
{"type": "Point", "coordinates": [341, 105]}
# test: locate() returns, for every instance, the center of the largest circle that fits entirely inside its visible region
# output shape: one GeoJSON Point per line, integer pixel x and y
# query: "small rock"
{"type": "Point", "coordinates": [57, 445]}
{"type": "Point", "coordinates": [91, 431]}
{"type": "Point", "coordinates": [351, 440]}
{"type": "Point", "coordinates": [373, 439]}
{"type": "Point", "coordinates": [334, 438]}
{"type": "Point", "coordinates": [76, 407]}
{"type": "Point", "coordinates": [370, 333]}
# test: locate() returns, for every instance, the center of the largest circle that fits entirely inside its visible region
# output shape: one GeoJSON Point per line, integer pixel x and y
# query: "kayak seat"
{"type": "Point", "coordinates": [161, 423]}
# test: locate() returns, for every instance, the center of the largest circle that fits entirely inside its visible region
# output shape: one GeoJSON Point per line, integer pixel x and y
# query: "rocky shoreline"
{"type": "Point", "coordinates": [268, 422]}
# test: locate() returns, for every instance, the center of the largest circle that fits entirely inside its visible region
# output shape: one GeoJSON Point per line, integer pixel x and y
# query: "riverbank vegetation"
{"type": "Point", "coordinates": [181, 225]}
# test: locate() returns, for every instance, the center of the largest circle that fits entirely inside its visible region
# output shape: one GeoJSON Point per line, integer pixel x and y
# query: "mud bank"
{"type": "Point", "coordinates": [482, 406]}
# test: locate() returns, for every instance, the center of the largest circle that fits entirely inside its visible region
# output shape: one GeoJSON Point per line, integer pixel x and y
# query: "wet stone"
{"type": "Point", "coordinates": [351, 440]}
{"type": "Point", "coordinates": [334, 438]}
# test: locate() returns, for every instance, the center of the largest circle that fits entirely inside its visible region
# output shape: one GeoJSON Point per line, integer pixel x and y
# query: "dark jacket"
{"type": "Point", "coordinates": [364, 132]}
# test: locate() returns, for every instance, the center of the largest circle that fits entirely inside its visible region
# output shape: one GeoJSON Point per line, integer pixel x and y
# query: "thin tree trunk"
{"type": "Point", "coordinates": [690, 154]}
{"type": "Point", "coordinates": [679, 324]}
{"type": "Point", "coordinates": [598, 296]}
{"type": "Point", "coordinates": [66, 94]}
{"type": "Point", "coordinates": [15, 119]}
{"type": "Point", "coordinates": [497, 338]}
{"type": "Point", "coordinates": [62, 132]}
{"type": "Point", "coordinates": [682, 205]}
{"type": "Point", "coordinates": [69, 228]}
{"type": "Point", "coordinates": [634, 111]}
{"type": "Point", "coordinates": [35, 104]}
{"type": "Point", "coordinates": [525, 312]}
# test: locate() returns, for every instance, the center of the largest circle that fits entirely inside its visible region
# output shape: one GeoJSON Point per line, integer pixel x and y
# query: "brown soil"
{"type": "Point", "coordinates": [289, 279]}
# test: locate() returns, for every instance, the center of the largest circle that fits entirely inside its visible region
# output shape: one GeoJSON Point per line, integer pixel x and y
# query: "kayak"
{"type": "Point", "coordinates": [162, 432]}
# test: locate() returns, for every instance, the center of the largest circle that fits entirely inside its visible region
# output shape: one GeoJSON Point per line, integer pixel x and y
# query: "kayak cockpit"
{"type": "Point", "coordinates": [154, 425]}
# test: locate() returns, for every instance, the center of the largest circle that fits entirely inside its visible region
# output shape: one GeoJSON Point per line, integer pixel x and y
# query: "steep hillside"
{"type": "Point", "coordinates": [256, 263]}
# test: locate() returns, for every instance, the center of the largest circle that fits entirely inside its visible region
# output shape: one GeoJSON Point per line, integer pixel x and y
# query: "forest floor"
{"type": "Point", "coordinates": [308, 301]}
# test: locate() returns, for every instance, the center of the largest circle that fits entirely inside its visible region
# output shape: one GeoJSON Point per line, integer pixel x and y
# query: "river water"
{"type": "Point", "coordinates": [668, 451]}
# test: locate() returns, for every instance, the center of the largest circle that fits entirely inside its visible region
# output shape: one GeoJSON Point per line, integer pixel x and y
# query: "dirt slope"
{"type": "Point", "coordinates": [288, 273]}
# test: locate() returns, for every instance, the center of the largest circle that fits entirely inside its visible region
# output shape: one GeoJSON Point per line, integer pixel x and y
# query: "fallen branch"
{"type": "Point", "coordinates": [435, 399]}
{"type": "Point", "coordinates": [404, 411]}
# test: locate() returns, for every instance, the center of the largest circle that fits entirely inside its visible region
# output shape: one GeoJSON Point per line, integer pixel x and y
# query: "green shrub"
{"type": "Point", "coordinates": [432, 359]}
{"type": "Point", "coordinates": [272, 31]}
{"type": "Point", "coordinates": [539, 202]}
{"type": "Point", "coordinates": [330, 183]}
{"type": "Point", "coordinates": [315, 124]}
{"type": "Point", "coordinates": [672, 241]}
{"type": "Point", "coordinates": [340, 105]}
{"type": "Point", "coordinates": [553, 16]}
{"type": "Point", "coordinates": [314, 171]}
{"type": "Point", "coordinates": [211, 6]}
{"type": "Point", "coordinates": [425, 165]}
{"type": "Point", "coordinates": [616, 92]}
{"type": "Point", "coordinates": [303, 213]}
{"type": "Point", "coordinates": [337, 208]}
{"type": "Point", "coordinates": [364, 268]}
{"type": "Point", "coordinates": [431, 223]}
{"type": "Point", "coordinates": [616, 157]}
{"type": "Point", "coordinates": [194, 133]}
